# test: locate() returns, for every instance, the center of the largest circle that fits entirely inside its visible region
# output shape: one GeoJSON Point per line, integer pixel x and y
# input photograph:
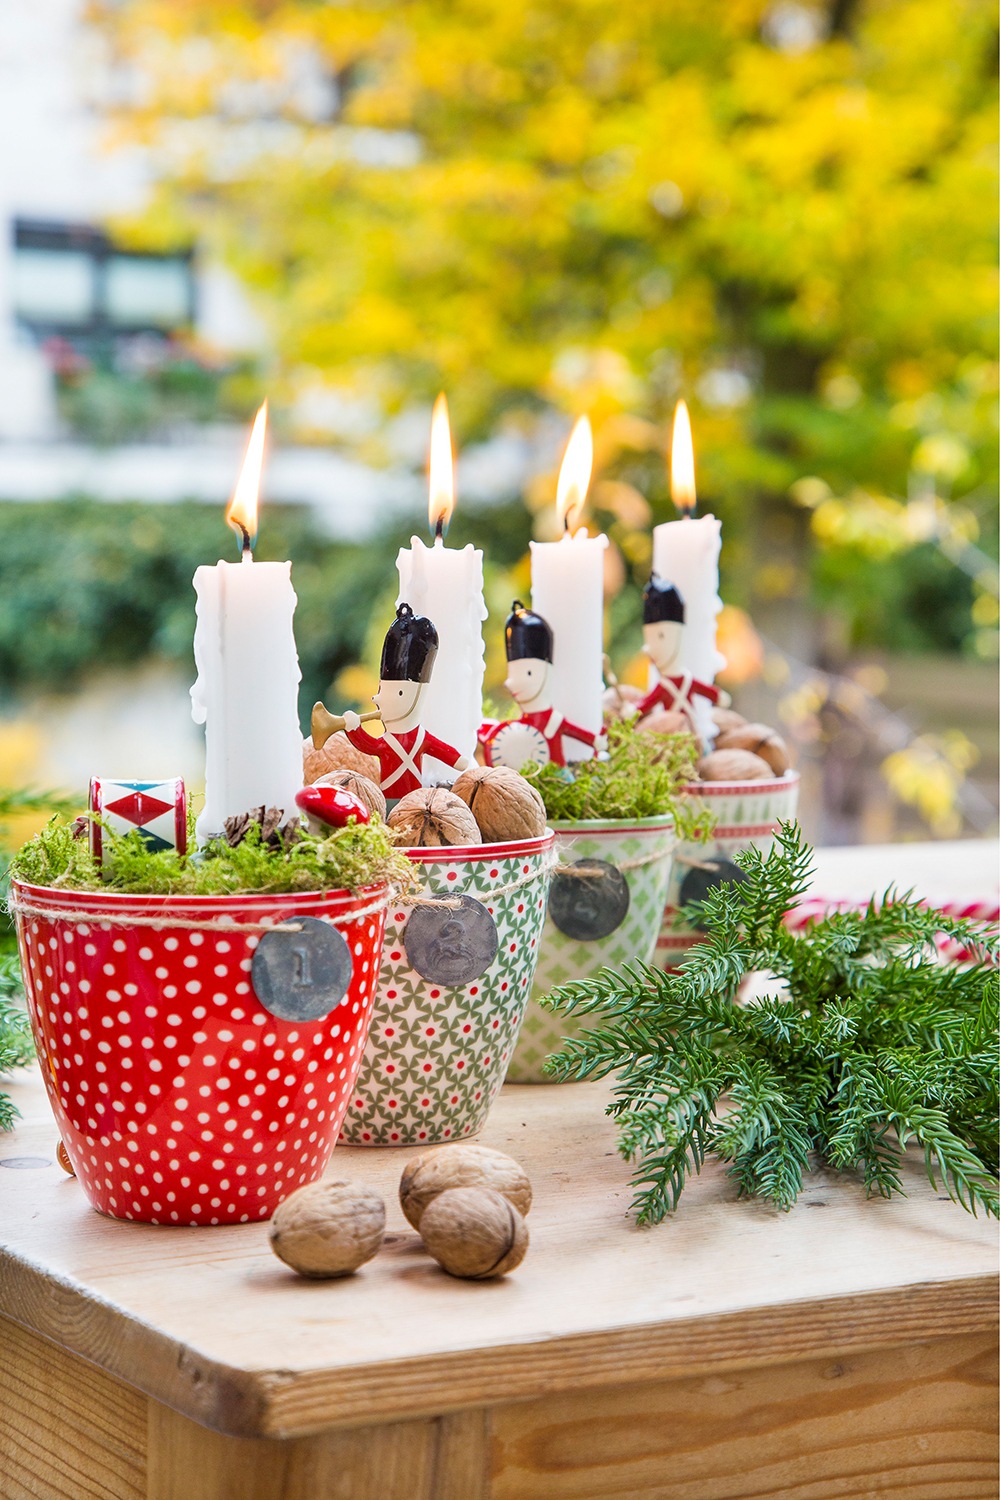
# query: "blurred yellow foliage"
{"type": "Point", "coordinates": [928, 775]}
{"type": "Point", "coordinates": [589, 203]}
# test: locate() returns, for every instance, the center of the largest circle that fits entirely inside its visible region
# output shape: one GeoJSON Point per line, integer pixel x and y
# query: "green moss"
{"type": "Point", "coordinates": [349, 859]}
{"type": "Point", "coordinates": [643, 776]}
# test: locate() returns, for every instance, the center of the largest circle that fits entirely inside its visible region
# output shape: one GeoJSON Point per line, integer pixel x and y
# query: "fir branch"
{"type": "Point", "coordinates": [873, 1043]}
{"type": "Point", "coordinates": [15, 1032]}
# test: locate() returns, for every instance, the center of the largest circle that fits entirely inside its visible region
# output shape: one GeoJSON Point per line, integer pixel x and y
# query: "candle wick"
{"type": "Point", "coordinates": [439, 529]}
{"type": "Point", "coordinates": [246, 549]}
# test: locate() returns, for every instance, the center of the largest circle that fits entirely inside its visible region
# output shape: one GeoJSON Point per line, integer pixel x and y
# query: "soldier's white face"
{"type": "Point", "coordinates": [527, 680]}
{"type": "Point", "coordinates": [662, 643]}
{"type": "Point", "coordinates": [397, 702]}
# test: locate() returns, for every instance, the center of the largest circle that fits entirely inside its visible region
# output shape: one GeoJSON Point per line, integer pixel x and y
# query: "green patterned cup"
{"type": "Point", "coordinates": [746, 813]}
{"type": "Point", "coordinates": [606, 918]}
{"type": "Point", "coordinates": [455, 979]}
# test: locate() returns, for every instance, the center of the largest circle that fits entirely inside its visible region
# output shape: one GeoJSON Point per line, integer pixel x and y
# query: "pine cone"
{"type": "Point", "coordinates": [273, 834]}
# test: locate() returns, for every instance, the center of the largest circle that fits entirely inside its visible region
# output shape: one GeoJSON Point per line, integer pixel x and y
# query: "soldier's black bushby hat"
{"type": "Point", "coordinates": [527, 635]}
{"type": "Point", "coordinates": [409, 648]}
{"type": "Point", "coordinates": [661, 601]}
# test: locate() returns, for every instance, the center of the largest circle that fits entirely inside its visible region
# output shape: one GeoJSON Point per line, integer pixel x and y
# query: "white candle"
{"type": "Point", "coordinates": [686, 554]}
{"type": "Point", "coordinates": [446, 585]}
{"type": "Point", "coordinates": [567, 590]}
{"type": "Point", "coordinates": [246, 693]}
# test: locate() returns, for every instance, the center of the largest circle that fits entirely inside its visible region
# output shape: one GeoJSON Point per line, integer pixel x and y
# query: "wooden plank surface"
{"type": "Point", "coordinates": [917, 1423]}
{"type": "Point", "coordinates": [68, 1431]}
{"type": "Point", "coordinates": [210, 1323]}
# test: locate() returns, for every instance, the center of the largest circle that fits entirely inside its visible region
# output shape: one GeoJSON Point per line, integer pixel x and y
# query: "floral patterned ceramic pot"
{"type": "Point", "coordinates": [746, 813]}
{"type": "Point", "coordinates": [455, 980]}
{"type": "Point", "coordinates": [593, 921]}
{"type": "Point", "coordinates": [180, 1097]}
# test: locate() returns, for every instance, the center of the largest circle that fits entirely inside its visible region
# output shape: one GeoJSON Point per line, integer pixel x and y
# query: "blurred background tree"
{"type": "Point", "coordinates": [784, 211]}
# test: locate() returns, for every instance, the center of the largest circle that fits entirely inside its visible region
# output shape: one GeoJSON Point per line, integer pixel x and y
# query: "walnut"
{"type": "Point", "coordinates": [760, 740]}
{"type": "Point", "coordinates": [733, 765]}
{"type": "Point", "coordinates": [461, 1166]}
{"type": "Point", "coordinates": [338, 754]}
{"type": "Point", "coordinates": [665, 721]}
{"type": "Point", "coordinates": [433, 816]}
{"type": "Point", "coordinates": [328, 1228]}
{"type": "Point", "coordinates": [362, 786]}
{"type": "Point", "coordinates": [474, 1232]}
{"type": "Point", "coordinates": [726, 719]}
{"type": "Point", "coordinates": [622, 701]}
{"type": "Point", "coordinates": [504, 805]}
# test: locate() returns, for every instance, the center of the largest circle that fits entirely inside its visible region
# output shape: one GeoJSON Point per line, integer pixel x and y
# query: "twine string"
{"type": "Point", "coordinates": [220, 925]}
{"type": "Point", "coordinates": [19, 906]}
{"type": "Point", "coordinates": [574, 871]}
{"type": "Point", "coordinates": [695, 864]}
{"type": "Point", "coordinates": [454, 903]}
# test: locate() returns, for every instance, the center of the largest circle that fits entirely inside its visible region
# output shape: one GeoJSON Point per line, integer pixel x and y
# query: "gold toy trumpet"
{"type": "Point", "coordinates": [324, 723]}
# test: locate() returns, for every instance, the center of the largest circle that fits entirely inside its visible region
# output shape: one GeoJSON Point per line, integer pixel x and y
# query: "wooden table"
{"type": "Point", "coordinates": [845, 1349]}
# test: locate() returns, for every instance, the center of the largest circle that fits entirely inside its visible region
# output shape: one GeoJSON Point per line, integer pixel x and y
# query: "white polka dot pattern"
{"type": "Point", "coordinates": [179, 1099]}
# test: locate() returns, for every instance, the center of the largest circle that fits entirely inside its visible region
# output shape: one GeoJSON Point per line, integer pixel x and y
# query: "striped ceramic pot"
{"type": "Point", "coordinates": [746, 813]}
{"type": "Point", "coordinates": [455, 979]}
{"type": "Point", "coordinates": [594, 921]}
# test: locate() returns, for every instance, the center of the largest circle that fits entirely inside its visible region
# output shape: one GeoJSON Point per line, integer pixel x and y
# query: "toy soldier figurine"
{"type": "Point", "coordinates": [408, 654]}
{"type": "Point", "coordinates": [538, 734]}
{"type": "Point", "coordinates": [663, 631]}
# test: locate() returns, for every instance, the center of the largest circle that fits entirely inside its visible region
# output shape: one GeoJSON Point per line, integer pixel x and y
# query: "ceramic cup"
{"type": "Point", "coordinates": [591, 924]}
{"type": "Point", "coordinates": [447, 1013]}
{"type": "Point", "coordinates": [746, 813]}
{"type": "Point", "coordinates": [179, 1097]}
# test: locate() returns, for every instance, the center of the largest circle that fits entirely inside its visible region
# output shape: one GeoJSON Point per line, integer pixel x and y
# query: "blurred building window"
{"type": "Point", "coordinates": [55, 288]}
{"type": "Point", "coordinates": [71, 279]}
{"type": "Point", "coordinates": [147, 291]}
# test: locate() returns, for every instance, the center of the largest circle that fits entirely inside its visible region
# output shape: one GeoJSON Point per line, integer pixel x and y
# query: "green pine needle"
{"type": "Point", "coordinates": [873, 1044]}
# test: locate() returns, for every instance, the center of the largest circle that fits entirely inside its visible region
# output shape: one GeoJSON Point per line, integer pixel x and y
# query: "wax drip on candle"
{"type": "Point", "coordinates": [682, 486]}
{"type": "Point", "coordinates": [246, 693]}
{"type": "Point", "coordinates": [241, 513]}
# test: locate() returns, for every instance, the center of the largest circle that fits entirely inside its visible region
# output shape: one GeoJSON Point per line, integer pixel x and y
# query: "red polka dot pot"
{"type": "Point", "coordinates": [455, 980]}
{"type": "Point", "coordinates": [179, 1097]}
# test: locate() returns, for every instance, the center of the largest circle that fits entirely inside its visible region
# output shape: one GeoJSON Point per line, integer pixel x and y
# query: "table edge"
{"type": "Point", "coordinates": [276, 1403]}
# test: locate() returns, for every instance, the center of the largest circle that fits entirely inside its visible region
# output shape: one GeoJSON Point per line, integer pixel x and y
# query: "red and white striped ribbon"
{"type": "Point", "coordinates": [985, 914]}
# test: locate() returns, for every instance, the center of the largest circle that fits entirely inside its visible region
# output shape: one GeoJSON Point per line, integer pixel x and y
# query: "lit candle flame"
{"type": "Point", "coordinates": [241, 513]}
{"type": "Point", "coordinates": [441, 470]}
{"type": "Point", "coordinates": [574, 476]}
{"type": "Point", "coordinates": [682, 490]}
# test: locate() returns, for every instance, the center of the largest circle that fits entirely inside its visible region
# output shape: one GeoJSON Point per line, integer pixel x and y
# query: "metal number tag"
{"type": "Point", "coordinates": [302, 976]}
{"type": "Point", "coordinates": [701, 880]}
{"type": "Point", "coordinates": [590, 905]}
{"type": "Point", "coordinates": [452, 946]}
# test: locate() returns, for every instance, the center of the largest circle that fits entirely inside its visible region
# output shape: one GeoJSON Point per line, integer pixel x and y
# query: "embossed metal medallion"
{"type": "Point", "coordinates": [302, 975]}
{"type": "Point", "coordinates": [452, 945]}
{"type": "Point", "coordinates": [590, 904]}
